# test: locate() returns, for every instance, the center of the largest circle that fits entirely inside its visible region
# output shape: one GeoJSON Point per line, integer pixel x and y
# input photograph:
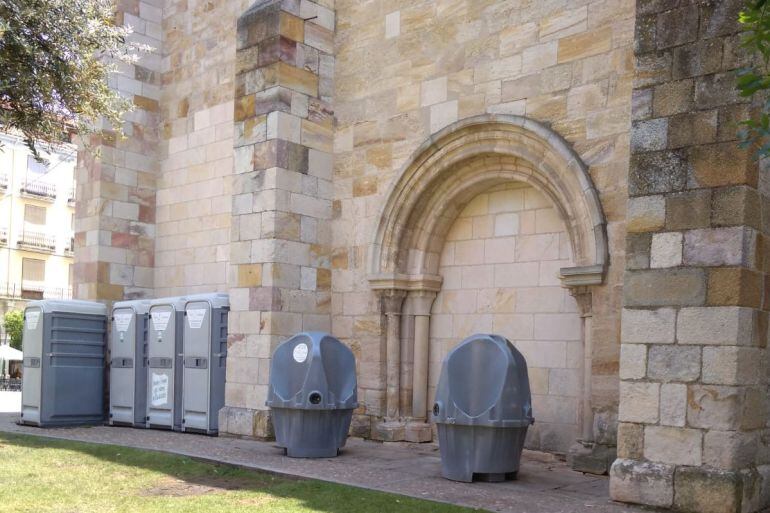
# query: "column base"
{"type": "Point", "coordinates": [389, 431]}
{"type": "Point", "coordinates": [246, 422]}
{"type": "Point", "coordinates": [591, 458]}
{"type": "Point", "coordinates": [419, 432]}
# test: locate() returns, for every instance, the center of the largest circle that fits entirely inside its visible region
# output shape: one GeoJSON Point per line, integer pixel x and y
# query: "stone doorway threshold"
{"type": "Point", "coordinates": [401, 468]}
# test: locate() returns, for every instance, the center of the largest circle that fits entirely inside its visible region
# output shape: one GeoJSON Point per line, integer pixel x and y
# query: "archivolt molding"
{"type": "Point", "coordinates": [463, 160]}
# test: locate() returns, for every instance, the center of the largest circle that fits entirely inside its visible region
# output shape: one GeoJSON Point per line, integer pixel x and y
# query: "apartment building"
{"type": "Point", "coordinates": [37, 206]}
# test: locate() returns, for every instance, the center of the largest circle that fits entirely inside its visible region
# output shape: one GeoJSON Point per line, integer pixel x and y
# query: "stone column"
{"type": "Point", "coordinates": [693, 366]}
{"type": "Point", "coordinates": [392, 428]}
{"type": "Point", "coordinates": [586, 455]}
{"type": "Point", "coordinates": [115, 208]}
{"type": "Point", "coordinates": [418, 428]}
{"type": "Point", "coordinates": [280, 271]}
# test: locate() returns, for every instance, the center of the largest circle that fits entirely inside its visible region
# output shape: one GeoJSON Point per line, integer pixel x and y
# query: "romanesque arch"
{"type": "Point", "coordinates": [442, 176]}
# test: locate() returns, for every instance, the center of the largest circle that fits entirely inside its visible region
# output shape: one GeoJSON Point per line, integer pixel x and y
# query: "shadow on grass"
{"type": "Point", "coordinates": [187, 477]}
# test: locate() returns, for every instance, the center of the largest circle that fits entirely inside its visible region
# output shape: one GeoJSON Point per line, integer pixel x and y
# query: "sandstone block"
{"type": "Point", "coordinates": [674, 363]}
{"type": "Point", "coordinates": [664, 287]}
{"type": "Point", "coordinates": [639, 402]}
{"type": "Point", "coordinates": [734, 286]}
{"type": "Point", "coordinates": [646, 214]}
{"type": "Point", "coordinates": [630, 440]}
{"type": "Point", "coordinates": [649, 135]}
{"type": "Point", "coordinates": [648, 326]}
{"type": "Point", "coordinates": [688, 210]}
{"type": "Point", "coordinates": [666, 250]}
{"type": "Point", "coordinates": [672, 98]}
{"type": "Point", "coordinates": [714, 407]}
{"type": "Point", "coordinates": [707, 491]}
{"type": "Point", "coordinates": [638, 250]}
{"type": "Point", "coordinates": [633, 361]}
{"type": "Point", "coordinates": [731, 365]}
{"type": "Point", "coordinates": [673, 404]}
{"type": "Point", "coordinates": [715, 326]}
{"type": "Point", "coordinates": [642, 482]}
{"type": "Point", "coordinates": [716, 246]}
{"type": "Point", "coordinates": [729, 450]}
{"type": "Point", "coordinates": [676, 446]}
{"type": "Point", "coordinates": [658, 172]}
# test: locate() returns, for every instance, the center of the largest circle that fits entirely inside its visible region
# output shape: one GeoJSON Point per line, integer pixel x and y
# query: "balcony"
{"type": "Point", "coordinates": [69, 248]}
{"type": "Point", "coordinates": [3, 236]}
{"type": "Point", "coordinates": [38, 190]}
{"type": "Point", "coordinates": [37, 241]}
{"type": "Point", "coordinates": [30, 289]}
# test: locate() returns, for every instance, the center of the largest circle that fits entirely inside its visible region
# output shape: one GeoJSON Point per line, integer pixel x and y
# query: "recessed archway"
{"type": "Point", "coordinates": [451, 168]}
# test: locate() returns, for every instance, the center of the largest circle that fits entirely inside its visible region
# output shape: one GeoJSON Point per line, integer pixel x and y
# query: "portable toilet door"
{"type": "Point", "coordinates": [128, 363]}
{"type": "Point", "coordinates": [33, 373]}
{"type": "Point", "coordinates": [164, 347]}
{"type": "Point", "coordinates": [64, 347]}
{"type": "Point", "coordinates": [204, 349]}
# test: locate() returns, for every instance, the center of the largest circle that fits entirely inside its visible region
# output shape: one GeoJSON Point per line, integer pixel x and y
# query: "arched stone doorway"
{"type": "Point", "coordinates": [444, 175]}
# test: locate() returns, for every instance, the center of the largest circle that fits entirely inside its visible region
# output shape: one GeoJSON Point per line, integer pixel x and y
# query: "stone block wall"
{"type": "Point", "coordinates": [194, 195]}
{"type": "Point", "coordinates": [279, 265]}
{"type": "Point", "coordinates": [500, 267]}
{"type": "Point", "coordinates": [115, 210]}
{"type": "Point", "coordinates": [693, 393]}
{"type": "Point", "coordinates": [405, 69]}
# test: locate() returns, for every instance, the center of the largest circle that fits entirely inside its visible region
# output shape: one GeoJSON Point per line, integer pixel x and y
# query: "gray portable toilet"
{"type": "Point", "coordinates": [164, 351]}
{"type": "Point", "coordinates": [483, 409]}
{"type": "Point", "coordinates": [128, 363]}
{"type": "Point", "coordinates": [312, 394]}
{"type": "Point", "coordinates": [64, 350]}
{"type": "Point", "coordinates": [204, 349]}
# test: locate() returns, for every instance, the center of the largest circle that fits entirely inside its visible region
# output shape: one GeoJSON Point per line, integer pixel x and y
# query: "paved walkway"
{"type": "Point", "coordinates": [414, 470]}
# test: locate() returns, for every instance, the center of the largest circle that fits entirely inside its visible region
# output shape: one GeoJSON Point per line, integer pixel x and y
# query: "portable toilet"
{"type": "Point", "coordinates": [64, 350]}
{"type": "Point", "coordinates": [204, 350]}
{"type": "Point", "coordinates": [128, 363]}
{"type": "Point", "coordinates": [483, 409]}
{"type": "Point", "coordinates": [164, 349]}
{"type": "Point", "coordinates": [312, 395]}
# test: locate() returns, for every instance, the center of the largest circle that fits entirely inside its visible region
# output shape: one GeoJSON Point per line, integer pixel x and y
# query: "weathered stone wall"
{"type": "Point", "coordinates": [407, 69]}
{"type": "Point", "coordinates": [693, 396]}
{"type": "Point", "coordinates": [115, 212]}
{"type": "Point", "coordinates": [194, 195]}
{"type": "Point", "coordinates": [500, 266]}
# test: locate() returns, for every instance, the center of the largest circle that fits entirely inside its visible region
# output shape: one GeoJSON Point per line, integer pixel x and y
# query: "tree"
{"type": "Point", "coordinates": [754, 80]}
{"type": "Point", "coordinates": [56, 56]}
{"type": "Point", "coordinates": [13, 323]}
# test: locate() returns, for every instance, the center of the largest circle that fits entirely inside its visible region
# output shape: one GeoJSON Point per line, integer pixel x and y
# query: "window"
{"type": "Point", "coordinates": [34, 215]}
{"type": "Point", "coordinates": [34, 168]}
{"type": "Point", "coordinates": [32, 269]}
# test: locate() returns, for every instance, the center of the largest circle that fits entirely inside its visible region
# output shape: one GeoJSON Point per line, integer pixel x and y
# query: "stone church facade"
{"type": "Point", "coordinates": [406, 173]}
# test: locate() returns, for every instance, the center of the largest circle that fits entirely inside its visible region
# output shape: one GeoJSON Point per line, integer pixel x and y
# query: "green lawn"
{"type": "Point", "coordinates": [38, 474]}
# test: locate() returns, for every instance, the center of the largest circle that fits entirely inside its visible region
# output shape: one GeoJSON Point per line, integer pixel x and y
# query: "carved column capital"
{"type": "Point", "coordinates": [422, 301]}
{"type": "Point", "coordinates": [584, 297]}
{"type": "Point", "coordinates": [391, 300]}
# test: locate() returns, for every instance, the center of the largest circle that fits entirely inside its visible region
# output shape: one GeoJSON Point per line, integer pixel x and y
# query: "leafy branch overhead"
{"type": "Point", "coordinates": [56, 57]}
{"type": "Point", "coordinates": [755, 80]}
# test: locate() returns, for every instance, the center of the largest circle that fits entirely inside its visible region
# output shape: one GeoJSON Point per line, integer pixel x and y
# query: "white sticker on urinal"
{"type": "Point", "coordinates": [300, 353]}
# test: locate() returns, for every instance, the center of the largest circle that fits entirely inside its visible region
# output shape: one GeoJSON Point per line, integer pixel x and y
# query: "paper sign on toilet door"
{"type": "Point", "coordinates": [159, 389]}
{"type": "Point", "coordinates": [160, 320]}
{"type": "Point", "coordinates": [122, 320]}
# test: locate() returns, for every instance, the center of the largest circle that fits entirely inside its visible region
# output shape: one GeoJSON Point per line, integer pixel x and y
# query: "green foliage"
{"type": "Point", "coordinates": [13, 323]}
{"type": "Point", "coordinates": [56, 56]}
{"type": "Point", "coordinates": [755, 80]}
